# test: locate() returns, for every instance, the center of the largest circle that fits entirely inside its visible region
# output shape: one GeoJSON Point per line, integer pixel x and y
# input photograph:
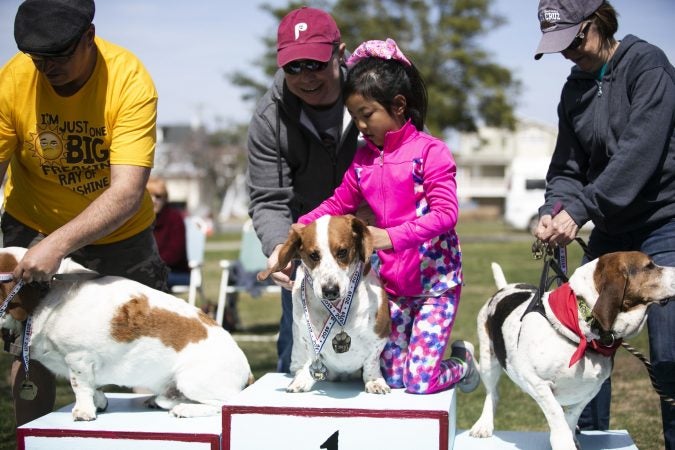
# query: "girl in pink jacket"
{"type": "Point", "coordinates": [407, 177]}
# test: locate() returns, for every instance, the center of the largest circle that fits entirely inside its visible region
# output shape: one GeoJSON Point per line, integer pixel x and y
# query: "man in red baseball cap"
{"type": "Point", "coordinates": [306, 33]}
{"type": "Point", "coordinates": [300, 141]}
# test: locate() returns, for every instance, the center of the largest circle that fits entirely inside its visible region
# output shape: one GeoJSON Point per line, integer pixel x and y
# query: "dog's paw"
{"type": "Point", "coordinates": [377, 386]}
{"type": "Point", "coordinates": [301, 383]}
{"type": "Point", "coordinates": [81, 414]}
{"type": "Point", "coordinates": [482, 429]}
{"type": "Point", "coordinates": [563, 439]}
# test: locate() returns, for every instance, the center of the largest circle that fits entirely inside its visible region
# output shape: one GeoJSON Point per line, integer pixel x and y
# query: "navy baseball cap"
{"type": "Point", "coordinates": [559, 20]}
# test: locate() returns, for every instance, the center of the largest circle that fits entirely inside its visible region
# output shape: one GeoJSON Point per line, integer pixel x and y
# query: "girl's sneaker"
{"type": "Point", "coordinates": [463, 350]}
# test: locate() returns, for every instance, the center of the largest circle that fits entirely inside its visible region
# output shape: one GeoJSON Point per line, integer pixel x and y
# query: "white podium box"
{"type": "Point", "coordinates": [126, 424]}
{"type": "Point", "coordinates": [517, 440]}
{"type": "Point", "coordinates": [336, 415]}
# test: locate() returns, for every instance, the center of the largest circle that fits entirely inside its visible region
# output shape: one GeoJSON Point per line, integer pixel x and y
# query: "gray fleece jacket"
{"type": "Point", "coordinates": [290, 170]}
{"type": "Point", "coordinates": [614, 161]}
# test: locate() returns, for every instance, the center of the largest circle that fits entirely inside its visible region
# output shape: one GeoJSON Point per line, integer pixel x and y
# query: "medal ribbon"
{"type": "Point", "coordinates": [339, 316]}
{"type": "Point", "coordinates": [317, 341]}
{"type": "Point", "coordinates": [4, 278]}
{"type": "Point", "coordinates": [28, 330]}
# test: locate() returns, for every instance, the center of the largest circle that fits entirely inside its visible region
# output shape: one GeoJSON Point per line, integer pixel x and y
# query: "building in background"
{"type": "Point", "coordinates": [490, 160]}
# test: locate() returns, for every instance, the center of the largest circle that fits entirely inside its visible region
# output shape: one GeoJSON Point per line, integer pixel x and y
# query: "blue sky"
{"type": "Point", "coordinates": [188, 45]}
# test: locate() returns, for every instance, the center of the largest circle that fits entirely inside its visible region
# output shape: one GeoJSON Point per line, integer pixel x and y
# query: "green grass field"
{"type": "Point", "coordinates": [634, 404]}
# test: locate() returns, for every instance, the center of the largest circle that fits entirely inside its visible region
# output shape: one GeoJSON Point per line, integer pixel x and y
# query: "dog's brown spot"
{"type": "Point", "coordinates": [342, 241]}
{"type": "Point", "coordinates": [307, 247]}
{"type": "Point", "coordinates": [135, 319]}
{"type": "Point", "coordinates": [383, 317]}
{"type": "Point", "coordinates": [7, 262]}
{"type": "Point", "coordinates": [350, 241]}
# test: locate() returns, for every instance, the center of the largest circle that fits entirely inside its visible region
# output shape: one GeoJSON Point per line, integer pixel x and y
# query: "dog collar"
{"type": "Point", "coordinates": [608, 339]}
{"type": "Point", "coordinates": [584, 311]}
{"type": "Point", "coordinates": [566, 307]}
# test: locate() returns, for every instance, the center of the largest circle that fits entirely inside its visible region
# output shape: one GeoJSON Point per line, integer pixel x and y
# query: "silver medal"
{"type": "Point", "coordinates": [341, 342]}
{"type": "Point", "coordinates": [28, 390]}
{"type": "Point", "coordinates": [318, 370]}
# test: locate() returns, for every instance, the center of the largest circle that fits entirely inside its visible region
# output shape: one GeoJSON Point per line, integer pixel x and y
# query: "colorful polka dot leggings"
{"type": "Point", "coordinates": [420, 332]}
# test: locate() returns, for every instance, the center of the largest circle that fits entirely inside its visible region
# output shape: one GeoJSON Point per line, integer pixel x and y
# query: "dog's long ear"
{"type": "Point", "coordinates": [289, 251]}
{"type": "Point", "coordinates": [611, 279]}
{"type": "Point", "coordinates": [363, 240]}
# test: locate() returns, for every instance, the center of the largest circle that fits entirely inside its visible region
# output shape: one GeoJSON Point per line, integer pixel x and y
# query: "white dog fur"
{"type": "Point", "coordinates": [617, 287]}
{"type": "Point", "coordinates": [331, 249]}
{"type": "Point", "coordinates": [112, 330]}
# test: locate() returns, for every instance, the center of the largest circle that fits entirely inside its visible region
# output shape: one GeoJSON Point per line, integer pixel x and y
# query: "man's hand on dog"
{"type": "Point", "coordinates": [283, 277]}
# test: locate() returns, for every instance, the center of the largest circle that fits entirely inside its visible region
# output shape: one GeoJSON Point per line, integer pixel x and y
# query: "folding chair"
{"type": "Point", "coordinates": [195, 241]}
{"type": "Point", "coordinates": [251, 260]}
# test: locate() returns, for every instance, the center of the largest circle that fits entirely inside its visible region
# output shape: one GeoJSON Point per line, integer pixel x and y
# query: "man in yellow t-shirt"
{"type": "Point", "coordinates": [77, 140]}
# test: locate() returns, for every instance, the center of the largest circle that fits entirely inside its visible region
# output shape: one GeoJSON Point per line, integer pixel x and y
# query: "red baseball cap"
{"type": "Point", "coordinates": [306, 33]}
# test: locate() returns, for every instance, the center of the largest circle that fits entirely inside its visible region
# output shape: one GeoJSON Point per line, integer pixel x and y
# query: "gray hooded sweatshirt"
{"type": "Point", "coordinates": [290, 169]}
{"type": "Point", "coordinates": [614, 161]}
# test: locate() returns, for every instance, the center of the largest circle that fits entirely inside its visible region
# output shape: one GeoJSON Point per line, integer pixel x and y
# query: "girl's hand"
{"type": "Point", "coordinates": [381, 240]}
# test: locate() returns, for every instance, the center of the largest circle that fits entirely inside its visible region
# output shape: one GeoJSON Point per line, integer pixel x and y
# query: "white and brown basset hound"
{"type": "Point", "coordinates": [562, 363]}
{"type": "Point", "coordinates": [112, 330]}
{"type": "Point", "coordinates": [340, 311]}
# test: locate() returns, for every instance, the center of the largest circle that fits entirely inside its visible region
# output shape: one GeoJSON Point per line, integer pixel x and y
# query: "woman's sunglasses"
{"type": "Point", "coordinates": [579, 38]}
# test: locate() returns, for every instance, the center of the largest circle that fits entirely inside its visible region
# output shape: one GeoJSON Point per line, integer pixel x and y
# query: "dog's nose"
{"type": "Point", "coordinates": [330, 291]}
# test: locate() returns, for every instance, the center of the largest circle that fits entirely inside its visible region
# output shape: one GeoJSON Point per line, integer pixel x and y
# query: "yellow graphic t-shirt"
{"type": "Point", "coordinates": [61, 148]}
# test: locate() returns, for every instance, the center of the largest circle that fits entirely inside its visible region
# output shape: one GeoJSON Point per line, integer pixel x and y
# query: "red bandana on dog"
{"type": "Point", "coordinates": [563, 304]}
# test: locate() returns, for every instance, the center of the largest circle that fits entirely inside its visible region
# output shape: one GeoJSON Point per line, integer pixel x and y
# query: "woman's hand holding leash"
{"type": "Point", "coordinates": [557, 228]}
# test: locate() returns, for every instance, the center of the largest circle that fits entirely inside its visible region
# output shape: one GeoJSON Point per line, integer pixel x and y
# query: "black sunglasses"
{"type": "Point", "coordinates": [310, 65]}
{"type": "Point", "coordinates": [579, 38]}
{"type": "Point", "coordinates": [295, 67]}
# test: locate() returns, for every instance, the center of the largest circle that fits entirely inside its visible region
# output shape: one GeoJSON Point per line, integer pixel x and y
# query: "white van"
{"type": "Point", "coordinates": [525, 192]}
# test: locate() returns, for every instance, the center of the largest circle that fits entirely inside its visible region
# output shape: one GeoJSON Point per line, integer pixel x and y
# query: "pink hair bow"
{"type": "Point", "coordinates": [378, 49]}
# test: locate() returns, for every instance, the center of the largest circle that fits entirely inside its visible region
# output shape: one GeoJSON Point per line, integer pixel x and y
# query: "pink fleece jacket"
{"type": "Point", "coordinates": [410, 186]}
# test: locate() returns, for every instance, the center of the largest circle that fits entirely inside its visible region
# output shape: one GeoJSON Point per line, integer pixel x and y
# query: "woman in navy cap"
{"type": "Point", "coordinates": [614, 161]}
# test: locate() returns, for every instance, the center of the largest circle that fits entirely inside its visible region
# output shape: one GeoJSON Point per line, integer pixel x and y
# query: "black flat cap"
{"type": "Point", "coordinates": [50, 27]}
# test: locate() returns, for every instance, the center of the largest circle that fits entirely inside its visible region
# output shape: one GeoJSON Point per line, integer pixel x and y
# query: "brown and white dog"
{"type": "Point", "coordinates": [544, 358]}
{"type": "Point", "coordinates": [335, 251]}
{"type": "Point", "coordinates": [112, 330]}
